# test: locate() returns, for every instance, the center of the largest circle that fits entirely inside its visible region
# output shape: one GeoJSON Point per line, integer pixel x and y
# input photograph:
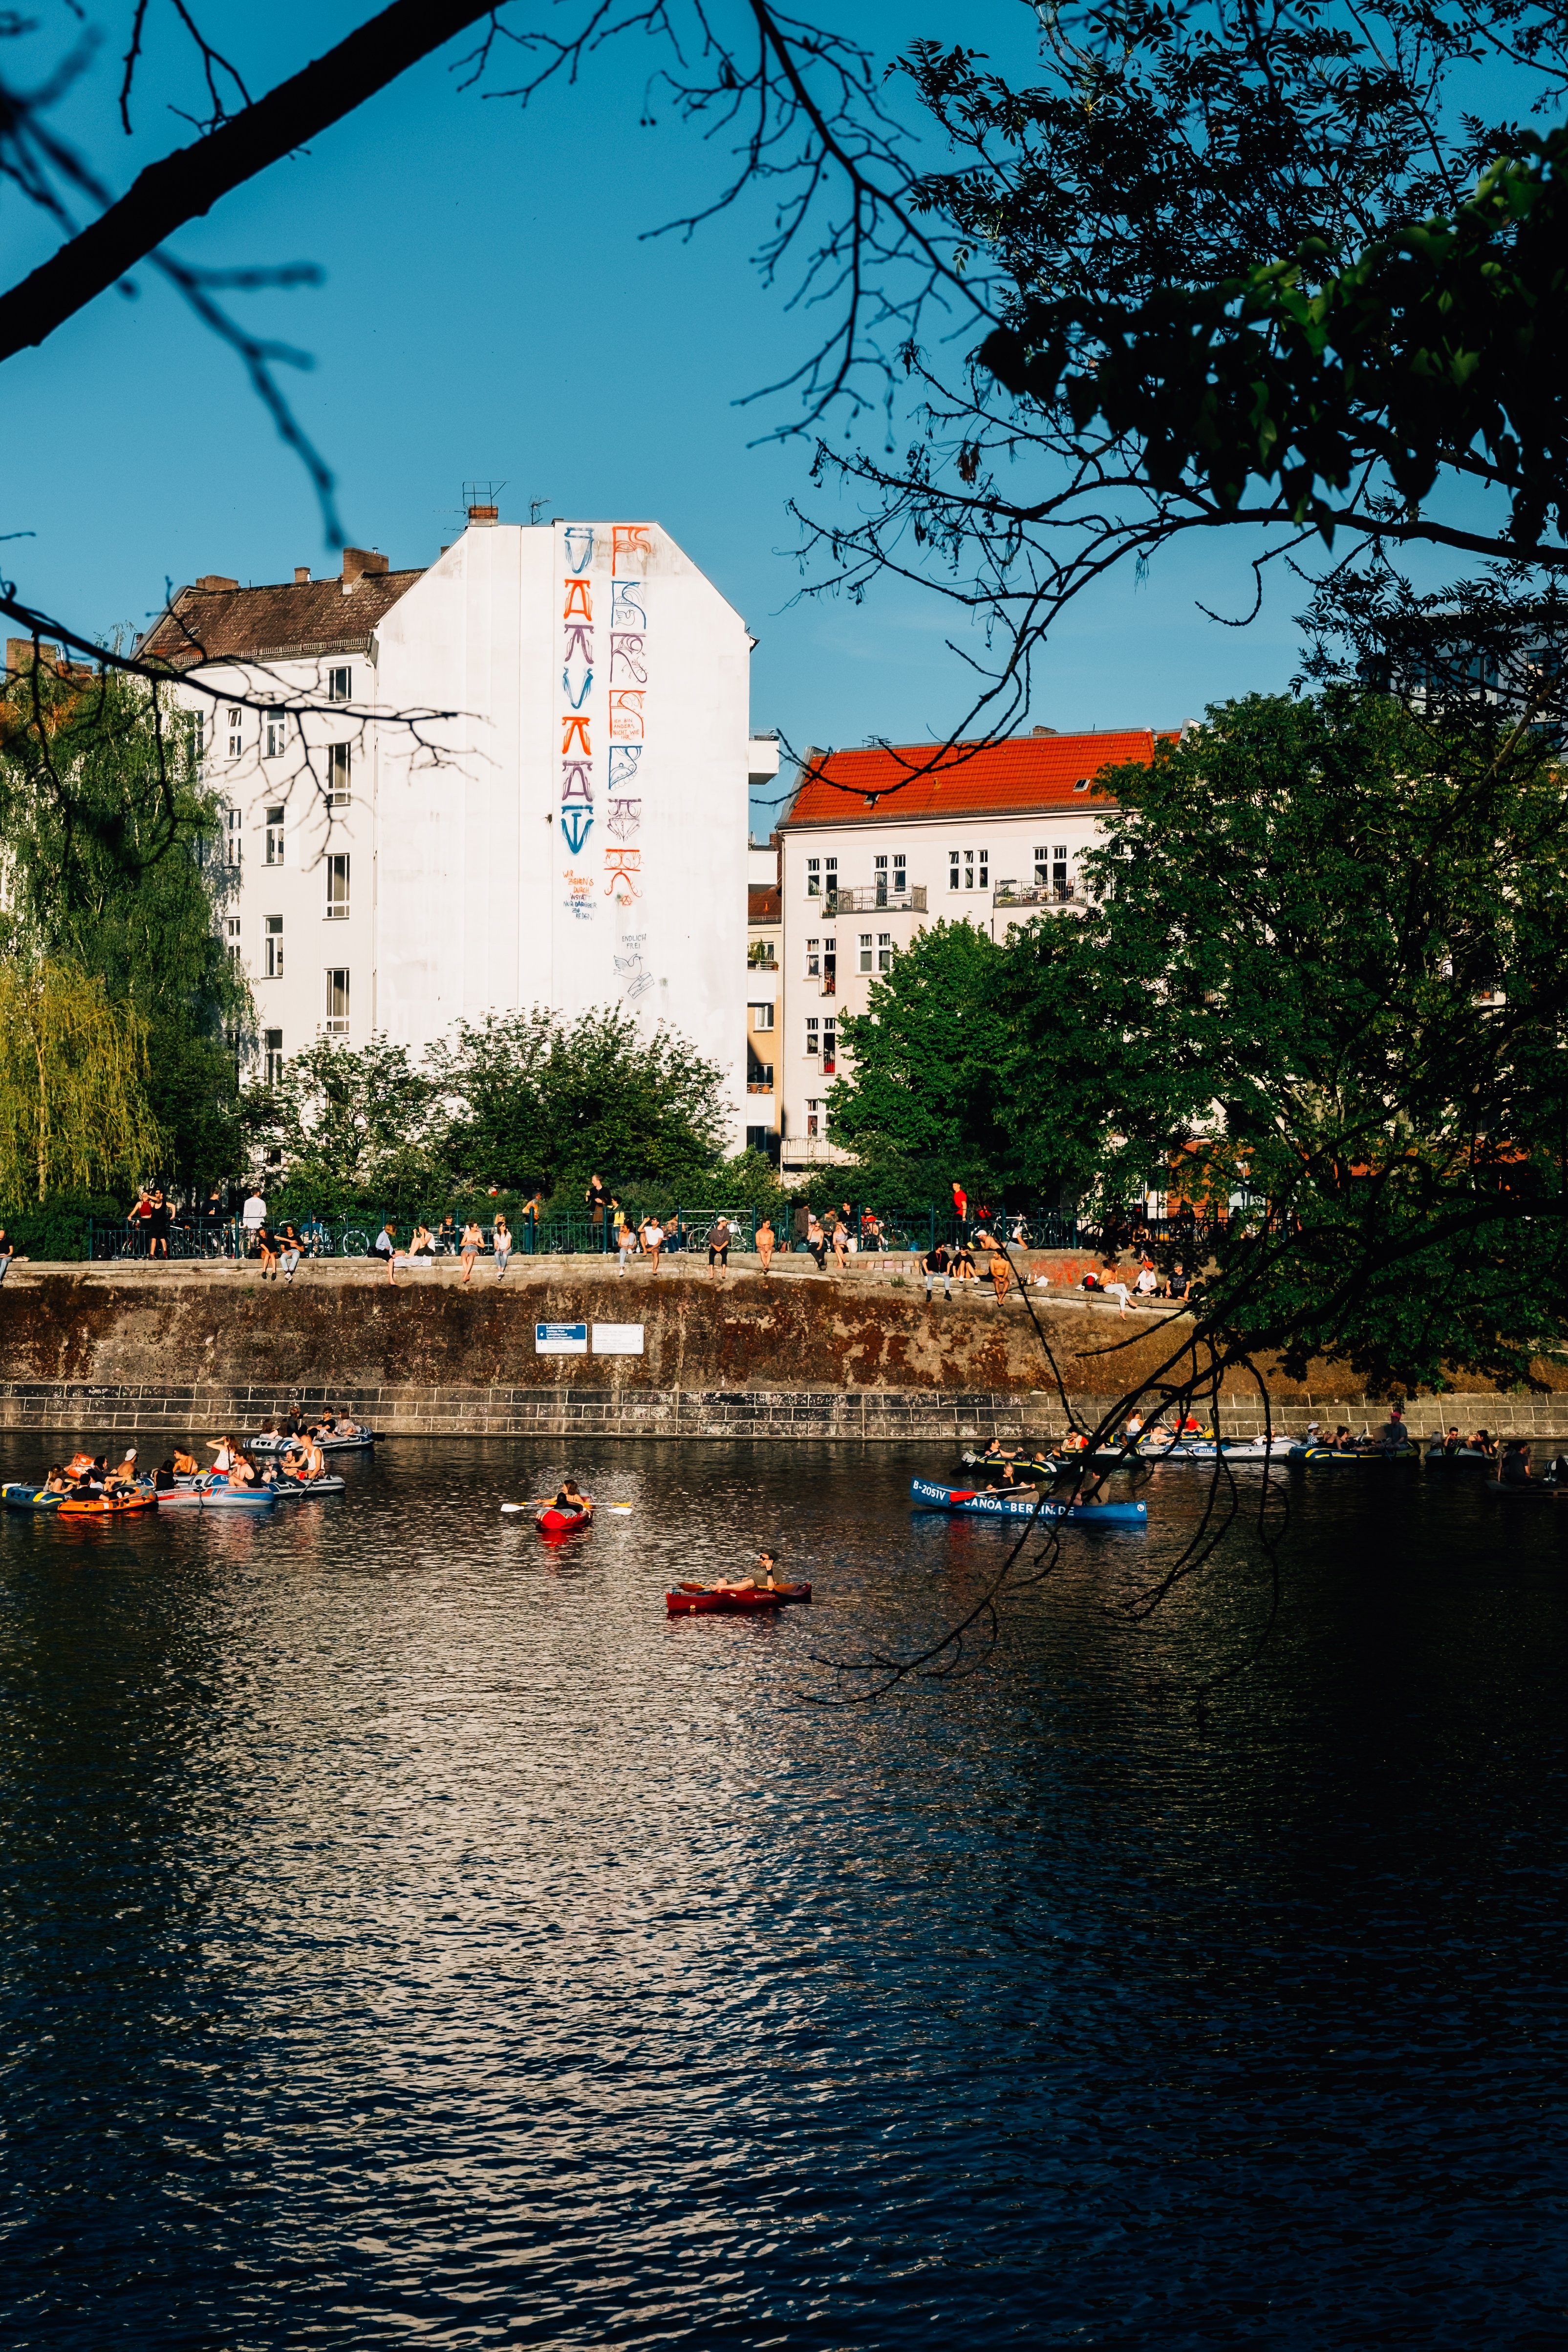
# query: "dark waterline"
{"type": "Point", "coordinates": [411, 1935]}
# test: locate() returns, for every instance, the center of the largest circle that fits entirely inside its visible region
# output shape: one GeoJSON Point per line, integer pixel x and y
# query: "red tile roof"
{"type": "Point", "coordinates": [296, 619]}
{"type": "Point", "coordinates": [1028, 771]}
{"type": "Point", "coordinates": [764, 903]}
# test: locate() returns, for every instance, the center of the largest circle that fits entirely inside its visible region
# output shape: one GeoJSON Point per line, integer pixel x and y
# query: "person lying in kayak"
{"type": "Point", "coordinates": [765, 1579]}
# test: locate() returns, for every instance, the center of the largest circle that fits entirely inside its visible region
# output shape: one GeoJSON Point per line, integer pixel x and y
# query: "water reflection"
{"type": "Point", "coordinates": [413, 1932]}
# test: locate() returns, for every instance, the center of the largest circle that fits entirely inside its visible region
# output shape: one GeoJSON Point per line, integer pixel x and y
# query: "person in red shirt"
{"type": "Point", "coordinates": [960, 1202]}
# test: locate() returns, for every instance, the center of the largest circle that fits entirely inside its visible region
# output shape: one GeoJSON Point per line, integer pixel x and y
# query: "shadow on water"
{"type": "Point", "coordinates": [414, 1934]}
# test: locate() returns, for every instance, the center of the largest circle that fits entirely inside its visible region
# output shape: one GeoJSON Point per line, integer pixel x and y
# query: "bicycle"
{"type": "Point", "coordinates": [351, 1242]}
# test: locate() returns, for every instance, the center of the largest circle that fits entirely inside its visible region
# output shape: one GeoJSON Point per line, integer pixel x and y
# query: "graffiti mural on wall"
{"type": "Point", "coordinates": [629, 702]}
{"type": "Point", "coordinates": [604, 710]}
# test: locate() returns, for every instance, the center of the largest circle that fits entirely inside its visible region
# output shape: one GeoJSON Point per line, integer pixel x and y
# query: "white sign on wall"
{"type": "Point", "coordinates": [617, 1339]}
{"type": "Point", "coordinates": [561, 1338]}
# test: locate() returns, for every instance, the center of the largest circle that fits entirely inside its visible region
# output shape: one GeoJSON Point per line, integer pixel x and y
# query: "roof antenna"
{"type": "Point", "coordinates": [533, 507]}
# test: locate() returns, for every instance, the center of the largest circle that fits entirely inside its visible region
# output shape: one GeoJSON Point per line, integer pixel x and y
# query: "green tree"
{"type": "Point", "coordinates": [74, 1112]}
{"type": "Point", "coordinates": [923, 1095]}
{"type": "Point", "coordinates": [352, 1121]}
{"type": "Point", "coordinates": [1323, 969]}
{"type": "Point", "coordinates": [537, 1097]}
{"type": "Point", "coordinates": [112, 840]}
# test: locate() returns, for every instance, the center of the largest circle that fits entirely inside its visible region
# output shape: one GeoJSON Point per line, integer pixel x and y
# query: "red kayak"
{"type": "Point", "coordinates": [560, 1523]}
{"type": "Point", "coordinates": [698, 1601]}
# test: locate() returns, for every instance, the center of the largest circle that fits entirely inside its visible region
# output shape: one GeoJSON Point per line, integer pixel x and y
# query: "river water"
{"type": "Point", "coordinates": [412, 1936]}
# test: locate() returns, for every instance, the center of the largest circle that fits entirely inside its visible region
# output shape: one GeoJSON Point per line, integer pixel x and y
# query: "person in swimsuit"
{"type": "Point", "coordinates": [472, 1244]}
{"type": "Point", "coordinates": [766, 1240]}
{"type": "Point", "coordinates": [571, 1497]}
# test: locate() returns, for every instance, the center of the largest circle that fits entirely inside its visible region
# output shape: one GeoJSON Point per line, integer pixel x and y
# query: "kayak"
{"type": "Point", "coordinates": [715, 1604]}
{"type": "Point", "coordinates": [269, 1443]}
{"type": "Point", "coordinates": [1228, 1449]}
{"type": "Point", "coordinates": [327, 1485]}
{"type": "Point", "coordinates": [1023, 1506]}
{"type": "Point", "coordinates": [101, 1507]}
{"type": "Point", "coordinates": [553, 1522]}
{"type": "Point", "coordinates": [1436, 1456]}
{"type": "Point", "coordinates": [19, 1496]}
{"type": "Point", "coordinates": [1319, 1455]}
{"type": "Point", "coordinates": [687, 1598]}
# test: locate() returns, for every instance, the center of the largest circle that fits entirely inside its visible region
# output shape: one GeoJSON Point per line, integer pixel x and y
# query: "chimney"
{"type": "Point", "coordinates": [212, 580]}
{"type": "Point", "coordinates": [484, 514]}
{"type": "Point", "coordinates": [1042, 731]}
{"type": "Point", "coordinates": [358, 559]}
{"type": "Point", "coordinates": [302, 575]}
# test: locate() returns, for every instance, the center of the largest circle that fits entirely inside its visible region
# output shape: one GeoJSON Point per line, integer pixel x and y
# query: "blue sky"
{"type": "Point", "coordinates": [492, 309]}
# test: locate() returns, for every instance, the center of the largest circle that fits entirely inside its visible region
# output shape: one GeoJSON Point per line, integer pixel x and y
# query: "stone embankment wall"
{"type": "Point", "coordinates": [799, 1355]}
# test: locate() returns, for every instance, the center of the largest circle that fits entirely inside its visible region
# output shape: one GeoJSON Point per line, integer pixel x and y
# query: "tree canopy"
{"type": "Point", "coordinates": [519, 1100]}
{"type": "Point", "coordinates": [111, 839]}
{"type": "Point", "coordinates": [1321, 975]}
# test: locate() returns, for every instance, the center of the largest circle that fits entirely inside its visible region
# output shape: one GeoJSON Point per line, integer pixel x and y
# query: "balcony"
{"type": "Point", "coordinates": [761, 956]}
{"type": "Point", "coordinates": [759, 1085]}
{"type": "Point", "coordinates": [876, 899]}
{"type": "Point", "coordinates": [1036, 893]}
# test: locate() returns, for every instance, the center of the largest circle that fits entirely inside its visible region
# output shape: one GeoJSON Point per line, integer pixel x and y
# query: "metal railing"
{"type": "Point", "coordinates": [1036, 893]}
{"type": "Point", "coordinates": [876, 899]}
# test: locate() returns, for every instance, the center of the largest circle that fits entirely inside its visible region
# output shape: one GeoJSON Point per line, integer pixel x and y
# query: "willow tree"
{"type": "Point", "coordinates": [74, 1112]}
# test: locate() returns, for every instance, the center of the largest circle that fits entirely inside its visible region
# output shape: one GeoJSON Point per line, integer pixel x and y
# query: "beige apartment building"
{"type": "Point", "coordinates": [991, 835]}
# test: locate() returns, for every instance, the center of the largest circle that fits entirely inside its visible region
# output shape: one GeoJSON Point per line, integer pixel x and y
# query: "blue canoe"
{"type": "Point", "coordinates": [1023, 1506]}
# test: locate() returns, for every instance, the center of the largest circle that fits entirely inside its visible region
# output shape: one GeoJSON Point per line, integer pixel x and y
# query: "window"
{"type": "Point", "coordinates": [275, 836]}
{"type": "Point", "coordinates": [234, 838]}
{"type": "Point", "coordinates": [884, 951]}
{"type": "Point", "coordinates": [813, 877]}
{"type": "Point", "coordinates": [1042, 861]}
{"type": "Point", "coordinates": [231, 938]}
{"type": "Point", "coordinates": [337, 887]}
{"type": "Point", "coordinates": [276, 736]}
{"type": "Point", "coordinates": [864, 958]}
{"type": "Point", "coordinates": [201, 734]}
{"type": "Point", "coordinates": [829, 1049]}
{"type": "Point", "coordinates": [952, 869]}
{"type": "Point", "coordinates": [811, 1111]}
{"type": "Point", "coordinates": [813, 959]}
{"type": "Point", "coordinates": [1081, 785]}
{"type": "Point", "coordinates": [812, 1041]}
{"type": "Point", "coordinates": [880, 871]}
{"type": "Point", "coordinates": [985, 869]}
{"type": "Point", "coordinates": [829, 876]}
{"type": "Point", "coordinates": [272, 947]}
{"type": "Point", "coordinates": [338, 764]}
{"type": "Point", "coordinates": [337, 1002]}
{"type": "Point", "coordinates": [236, 733]}
{"type": "Point", "coordinates": [830, 967]}
{"type": "Point", "coordinates": [272, 1057]}
{"type": "Point", "coordinates": [340, 686]}
{"type": "Point", "coordinates": [1059, 868]}
{"type": "Point", "coordinates": [969, 869]}
{"type": "Point", "coordinates": [900, 874]}
{"type": "Point", "coordinates": [762, 1015]}
{"type": "Point", "coordinates": [760, 1079]}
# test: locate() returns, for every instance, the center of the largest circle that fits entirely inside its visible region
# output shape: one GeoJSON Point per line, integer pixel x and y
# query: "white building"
{"type": "Point", "coordinates": [525, 783]}
{"type": "Point", "coordinates": [990, 836]}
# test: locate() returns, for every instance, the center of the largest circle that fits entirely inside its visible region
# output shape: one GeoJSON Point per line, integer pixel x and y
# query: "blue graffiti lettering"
{"type": "Point", "coordinates": [576, 825]}
{"type": "Point", "coordinates": [579, 546]}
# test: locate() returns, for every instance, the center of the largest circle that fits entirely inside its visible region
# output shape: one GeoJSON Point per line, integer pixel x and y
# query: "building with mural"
{"type": "Point", "coordinates": [991, 835]}
{"type": "Point", "coordinates": [522, 780]}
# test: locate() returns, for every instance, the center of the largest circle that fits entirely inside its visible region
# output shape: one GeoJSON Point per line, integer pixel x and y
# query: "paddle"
{"type": "Point", "coordinates": [546, 1502]}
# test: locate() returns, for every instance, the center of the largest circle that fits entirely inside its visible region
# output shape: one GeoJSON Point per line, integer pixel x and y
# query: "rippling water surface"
{"type": "Point", "coordinates": [411, 1935]}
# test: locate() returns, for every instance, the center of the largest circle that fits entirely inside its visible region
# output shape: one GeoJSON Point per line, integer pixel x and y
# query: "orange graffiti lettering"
{"type": "Point", "coordinates": [630, 545]}
{"type": "Point", "coordinates": [579, 604]}
{"type": "Point", "coordinates": [578, 727]}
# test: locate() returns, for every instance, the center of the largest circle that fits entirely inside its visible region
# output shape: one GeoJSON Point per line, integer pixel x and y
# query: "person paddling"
{"type": "Point", "coordinates": [571, 1497]}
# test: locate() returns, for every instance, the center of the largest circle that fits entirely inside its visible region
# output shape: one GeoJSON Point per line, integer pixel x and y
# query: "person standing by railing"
{"type": "Point", "coordinates": [139, 1221]}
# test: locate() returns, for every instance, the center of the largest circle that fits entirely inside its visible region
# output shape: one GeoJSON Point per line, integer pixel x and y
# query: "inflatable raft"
{"type": "Point", "coordinates": [552, 1522]}
{"type": "Point", "coordinates": [269, 1443]}
{"type": "Point", "coordinates": [18, 1495]}
{"type": "Point", "coordinates": [932, 1497]}
{"type": "Point", "coordinates": [102, 1506]}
